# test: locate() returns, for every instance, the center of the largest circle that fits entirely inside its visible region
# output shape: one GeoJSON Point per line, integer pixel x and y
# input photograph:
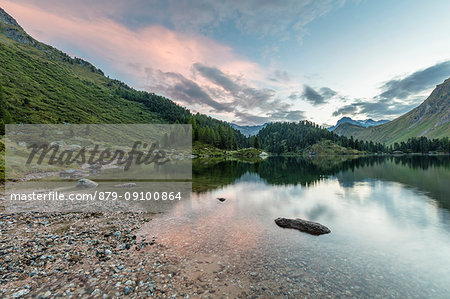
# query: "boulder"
{"type": "Point", "coordinates": [86, 183]}
{"type": "Point", "coordinates": [306, 226]}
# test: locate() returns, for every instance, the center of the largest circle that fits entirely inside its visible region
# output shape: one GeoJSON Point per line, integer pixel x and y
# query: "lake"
{"type": "Point", "coordinates": [389, 219]}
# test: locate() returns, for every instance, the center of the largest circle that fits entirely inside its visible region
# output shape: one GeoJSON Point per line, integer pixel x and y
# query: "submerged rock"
{"type": "Point", "coordinates": [72, 173]}
{"type": "Point", "coordinates": [306, 226]}
{"type": "Point", "coordinates": [86, 183]}
{"type": "Point", "coordinates": [221, 199]}
{"type": "Point", "coordinates": [126, 185]}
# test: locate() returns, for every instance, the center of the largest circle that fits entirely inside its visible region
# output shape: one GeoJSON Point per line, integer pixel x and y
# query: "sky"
{"type": "Point", "coordinates": [255, 61]}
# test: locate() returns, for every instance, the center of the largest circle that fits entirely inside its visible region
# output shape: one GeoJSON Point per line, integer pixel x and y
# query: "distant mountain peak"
{"type": "Point", "coordinates": [360, 123]}
{"type": "Point", "coordinates": [249, 130]}
{"type": "Point", "coordinates": [6, 19]}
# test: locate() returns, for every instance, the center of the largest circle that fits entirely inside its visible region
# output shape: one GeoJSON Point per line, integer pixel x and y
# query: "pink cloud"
{"type": "Point", "coordinates": [154, 46]}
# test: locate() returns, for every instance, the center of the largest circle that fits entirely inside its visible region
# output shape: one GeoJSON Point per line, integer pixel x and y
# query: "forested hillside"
{"type": "Point", "coordinates": [295, 137]}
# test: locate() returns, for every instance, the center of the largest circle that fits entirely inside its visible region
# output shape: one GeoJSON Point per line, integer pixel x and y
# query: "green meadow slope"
{"type": "Point", "coordinates": [431, 119]}
{"type": "Point", "coordinates": [44, 85]}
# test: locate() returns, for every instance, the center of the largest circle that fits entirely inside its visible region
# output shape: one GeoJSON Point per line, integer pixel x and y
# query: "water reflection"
{"type": "Point", "coordinates": [429, 174]}
{"type": "Point", "coordinates": [390, 229]}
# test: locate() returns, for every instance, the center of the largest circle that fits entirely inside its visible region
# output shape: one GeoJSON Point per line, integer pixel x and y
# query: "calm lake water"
{"type": "Point", "coordinates": [389, 217]}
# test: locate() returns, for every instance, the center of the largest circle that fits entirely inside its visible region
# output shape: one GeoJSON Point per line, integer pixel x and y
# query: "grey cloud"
{"type": "Point", "coordinates": [243, 95]}
{"type": "Point", "coordinates": [279, 115]}
{"type": "Point", "coordinates": [258, 98]}
{"type": "Point", "coordinates": [327, 92]}
{"type": "Point", "coordinates": [312, 96]}
{"type": "Point", "coordinates": [178, 87]}
{"type": "Point", "coordinates": [416, 82]}
{"type": "Point", "coordinates": [291, 115]}
{"type": "Point", "coordinates": [250, 119]}
{"type": "Point", "coordinates": [280, 76]}
{"type": "Point", "coordinates": [382, 109]}
{"type": "Point", "coordinates": [217, 77]}
{"type": "Point", "coordinates": [346, 110]}
{"type": "Point", "coordinates": [244, 98]}
{"type": "Point", "coordinates": [272, 18]}
{"type": "Point", "coordinates": [379, 109]}
{"type": "Point", "coordinates": [294, 96]}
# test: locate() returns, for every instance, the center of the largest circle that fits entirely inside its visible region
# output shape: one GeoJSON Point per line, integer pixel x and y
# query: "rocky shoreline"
{"type": "Point", "coordinates": [77, 255]}
{"type": "Point", "coordinates": [94, 255]}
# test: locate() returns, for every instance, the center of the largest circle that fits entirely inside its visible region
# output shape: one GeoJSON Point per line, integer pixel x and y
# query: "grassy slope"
{"type": "Point", "coordinates": [42, 86]}
{"type": "Point", "coordinates": [328, 148]}
{"type": "Point", "coordinates": [431, 119]}
{"type": "Point", "coordinates": [207, 150]}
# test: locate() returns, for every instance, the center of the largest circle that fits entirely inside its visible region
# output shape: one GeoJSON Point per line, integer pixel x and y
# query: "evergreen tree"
{"type": "Point", "coordinates": [256, 143]}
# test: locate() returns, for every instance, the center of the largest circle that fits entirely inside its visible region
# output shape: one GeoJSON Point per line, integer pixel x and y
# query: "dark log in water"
{"type": "Point", "coordinates": [309, 227]}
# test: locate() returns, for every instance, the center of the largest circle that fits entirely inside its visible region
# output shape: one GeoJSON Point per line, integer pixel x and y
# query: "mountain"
{"type": "Point", "coordinates": [44, 85]}
{"type": "Point", "coordinates": [41, 84]}
{"type": "Point", "coordinates": [361, 123]}
{"type": "Point", "coordinates": [248, 130]}
{"type": "Point", "coordinates": [431, 119]}
{"type": "Point", "coordinates": [347, 129]}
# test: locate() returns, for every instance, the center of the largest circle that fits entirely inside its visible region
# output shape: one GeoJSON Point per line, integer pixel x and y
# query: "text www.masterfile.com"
{"type": "Point", "coordinates": [97, 195]}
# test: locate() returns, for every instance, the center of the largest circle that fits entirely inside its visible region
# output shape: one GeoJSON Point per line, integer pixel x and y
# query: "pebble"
{"type": "Point", "coordinates": [20, 293]}
{"type": "Point", "coordinates": [128, 290]}
{"type": "Point", "coordinates": [130, 283]}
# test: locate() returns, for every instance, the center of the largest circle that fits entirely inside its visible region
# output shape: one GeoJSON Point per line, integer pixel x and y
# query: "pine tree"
{"type": "Point", "coordinates": [2, 127]}
{"type": "Point", "coordinates": [256, 143]}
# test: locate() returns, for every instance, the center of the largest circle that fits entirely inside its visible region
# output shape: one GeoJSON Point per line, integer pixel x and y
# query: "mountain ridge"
{"type": "Point", "coordinates": [361, 123]}
{"type": "Point", "coordinates": [7, 19]}
{"type": "Point", "coordinates": [430, 119]}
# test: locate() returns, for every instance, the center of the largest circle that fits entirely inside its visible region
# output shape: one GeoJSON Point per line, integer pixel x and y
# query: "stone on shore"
{"type": "Point", "coordinates": [306, 226]}
{"type": "Point", "coordinates": [86, 183]}
{"type": "Point", "coordinates": [72, 173]}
